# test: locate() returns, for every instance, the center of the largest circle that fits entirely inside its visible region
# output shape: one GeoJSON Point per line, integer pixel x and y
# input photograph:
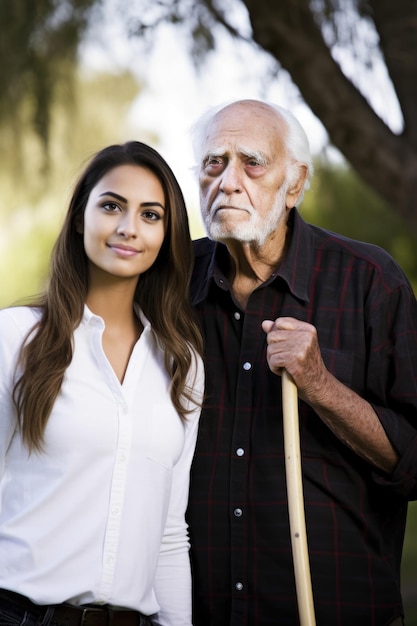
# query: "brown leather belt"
{"type": "Point", "coordinates": [71, 615]}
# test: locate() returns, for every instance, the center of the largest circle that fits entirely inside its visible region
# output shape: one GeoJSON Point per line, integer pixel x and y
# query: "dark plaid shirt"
{"type": "Point", "coordinates": [365, 312]}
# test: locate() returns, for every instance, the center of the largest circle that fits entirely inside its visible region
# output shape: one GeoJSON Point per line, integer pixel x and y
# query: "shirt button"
{"type": "Point", "coordinates": [240, 452]}
{"type": "Point", "coordinates": [239, 586]}
{"type": "Point", "coordinates": [238, 512]}
{"type": "Point", "coordinates": [236, 315]}
{"type": "Point", "coordinates": [247, 366]}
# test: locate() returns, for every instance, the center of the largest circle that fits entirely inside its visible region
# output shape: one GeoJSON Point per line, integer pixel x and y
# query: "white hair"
{"type": "Point", "coordinates": [296, 140]}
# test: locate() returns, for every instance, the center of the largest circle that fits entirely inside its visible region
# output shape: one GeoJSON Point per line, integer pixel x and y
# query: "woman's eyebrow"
{"type": "Point", "coordinates": [145, 204]}
{"type": "Point", "coordinates": [114, 194]}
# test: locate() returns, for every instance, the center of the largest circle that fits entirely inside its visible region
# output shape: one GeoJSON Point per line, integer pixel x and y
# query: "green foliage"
{"type": "Point", "coordinates": [197, 20]}
{"type": "Point", "coordinates": [38, 51]}
{"type": "Point", "coordinates": [33, 199]}
{"type": "Point", "coordinates": [340, 201]}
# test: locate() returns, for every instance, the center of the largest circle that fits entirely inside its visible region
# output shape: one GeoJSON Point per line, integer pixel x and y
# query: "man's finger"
{"type": "Point", "coordinates": [267, 325]}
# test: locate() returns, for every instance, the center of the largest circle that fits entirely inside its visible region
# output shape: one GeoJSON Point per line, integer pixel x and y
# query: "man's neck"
{"type": "Point", "coordinates": [253, 265]}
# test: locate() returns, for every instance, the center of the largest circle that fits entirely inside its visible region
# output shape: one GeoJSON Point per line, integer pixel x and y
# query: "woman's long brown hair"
{"type": "Point", "coordinates": [162, 293]}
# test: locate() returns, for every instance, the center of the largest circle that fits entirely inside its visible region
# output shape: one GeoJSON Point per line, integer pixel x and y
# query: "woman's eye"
{"type": "Point", "coordinates": [111, 206]}
{"type": "Point", "coordinates": [151, 215]}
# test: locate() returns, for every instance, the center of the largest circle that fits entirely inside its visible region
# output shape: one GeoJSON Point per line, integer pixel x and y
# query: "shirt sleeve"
{"type": "Point", "coordinates": [392, 376]}
{"type": "Point", "coordinates": [173, 576]}
{"type": "Point", "coordinates": [11, 337]}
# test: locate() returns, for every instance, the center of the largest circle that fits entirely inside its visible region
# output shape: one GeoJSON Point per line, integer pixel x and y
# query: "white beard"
{"type": "Point", "coordinates": [254, 230]}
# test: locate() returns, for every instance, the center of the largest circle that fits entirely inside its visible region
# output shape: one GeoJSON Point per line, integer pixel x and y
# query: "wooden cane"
{"type": "Point", "coordinates": [296, 501]}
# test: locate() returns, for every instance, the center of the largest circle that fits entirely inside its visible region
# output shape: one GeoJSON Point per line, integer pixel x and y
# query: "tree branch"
{"type": "Point", "coordinates": [290, 34]}
{"type": "Point", "coordinates": [396, 23]}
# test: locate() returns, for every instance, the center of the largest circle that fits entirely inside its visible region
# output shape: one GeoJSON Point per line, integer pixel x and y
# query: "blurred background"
{"type": "Point", "coordinates": [76, 75]}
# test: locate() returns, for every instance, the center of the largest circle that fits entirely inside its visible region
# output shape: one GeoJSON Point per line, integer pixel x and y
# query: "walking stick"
{"type": "Point", "coordinates": [296, 501]}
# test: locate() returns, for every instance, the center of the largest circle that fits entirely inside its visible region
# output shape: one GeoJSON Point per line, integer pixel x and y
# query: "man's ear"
{"type": "Point", "coordinates": [297, 180]}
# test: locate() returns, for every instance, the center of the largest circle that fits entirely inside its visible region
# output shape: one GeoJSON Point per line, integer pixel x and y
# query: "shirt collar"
{"type": "Point", "coordinates": [297, 264]}
{"type": "Point", "coordinates": [88, 315]}
{"type": "Point", "coordinates": [295, 268]}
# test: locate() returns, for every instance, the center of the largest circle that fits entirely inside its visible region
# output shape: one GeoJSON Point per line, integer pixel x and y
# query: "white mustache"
{"type": "Point", "coordinates": [223, 203]}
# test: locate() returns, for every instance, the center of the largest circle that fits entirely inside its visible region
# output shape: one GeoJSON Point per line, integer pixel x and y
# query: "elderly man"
{"type": "Point", "coordinates": [274, 292]}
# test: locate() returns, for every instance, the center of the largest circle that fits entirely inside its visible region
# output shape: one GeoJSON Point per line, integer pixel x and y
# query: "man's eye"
{"type": "Point", "coordinates": [213, 161]}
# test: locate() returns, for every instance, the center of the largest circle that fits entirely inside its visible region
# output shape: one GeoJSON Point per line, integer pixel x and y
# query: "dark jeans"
{"type": "Point", "coordinates": [13, 616]}
{"type": "Point", "coordinates": [17, 610]}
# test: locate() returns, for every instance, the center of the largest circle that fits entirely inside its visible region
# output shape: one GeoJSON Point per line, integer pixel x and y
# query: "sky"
{"type": "Point", "coordinates": [175, 94]}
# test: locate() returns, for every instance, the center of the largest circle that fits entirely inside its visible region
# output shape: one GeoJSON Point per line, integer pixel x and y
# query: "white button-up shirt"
{"type": "Point", "coordinates": [98, 516]}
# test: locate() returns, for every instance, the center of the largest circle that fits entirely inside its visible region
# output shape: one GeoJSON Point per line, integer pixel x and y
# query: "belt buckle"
{"type": "Point", "coordinates": [91, 611]}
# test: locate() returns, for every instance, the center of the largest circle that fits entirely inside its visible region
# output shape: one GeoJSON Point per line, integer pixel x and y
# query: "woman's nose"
{"type": "Point", "coordinates": [127, 226]}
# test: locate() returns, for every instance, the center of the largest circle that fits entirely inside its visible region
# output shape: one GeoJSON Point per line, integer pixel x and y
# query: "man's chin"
{"type": "Point", "coordinates": [230, 234]}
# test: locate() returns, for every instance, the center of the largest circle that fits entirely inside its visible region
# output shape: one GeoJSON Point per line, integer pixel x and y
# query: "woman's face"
{"type": "Point", "coordinates": [124, 223]}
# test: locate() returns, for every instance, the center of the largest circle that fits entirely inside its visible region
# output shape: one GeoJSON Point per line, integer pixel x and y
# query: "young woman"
{"type": "Point", "coordinates": [101, 383]}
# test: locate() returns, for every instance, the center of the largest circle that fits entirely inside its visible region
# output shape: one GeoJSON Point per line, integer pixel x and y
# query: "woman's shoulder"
{"type": "Point", "coordinates": [18, 319]}
{"type": "Point", "coordinates": [15, 326]}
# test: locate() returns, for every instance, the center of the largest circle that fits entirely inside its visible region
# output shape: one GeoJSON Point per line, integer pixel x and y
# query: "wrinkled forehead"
{"type": "Point", "coordinates": [248, 130]}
